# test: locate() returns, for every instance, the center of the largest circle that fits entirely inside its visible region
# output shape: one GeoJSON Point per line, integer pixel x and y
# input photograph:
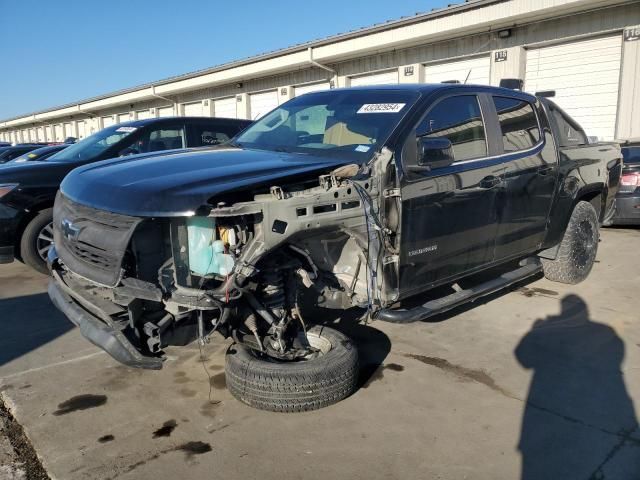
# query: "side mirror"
{"type": "Point", "coordinates": [434, 152]}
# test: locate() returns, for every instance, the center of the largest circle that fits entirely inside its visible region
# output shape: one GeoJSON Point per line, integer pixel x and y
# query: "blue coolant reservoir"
{"type": "Point", "coordinates": [206, 253]}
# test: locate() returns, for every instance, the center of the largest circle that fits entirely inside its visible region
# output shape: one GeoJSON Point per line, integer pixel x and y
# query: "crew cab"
{"type": "Point", "coordinates": [365, 197]}
{"type": "Point", "coordinates": [28, 189]}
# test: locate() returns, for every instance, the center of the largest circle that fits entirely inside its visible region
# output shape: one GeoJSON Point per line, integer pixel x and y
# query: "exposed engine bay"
{"type": "Point", "coordinates": [250, 265]}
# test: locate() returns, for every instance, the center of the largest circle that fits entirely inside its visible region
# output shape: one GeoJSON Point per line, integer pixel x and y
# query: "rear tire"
{"type": "Point", "coordinates": [578, 248]}
{"type": "Point", "coordinates": [34, 241]}
{"type": "Point", "coordinates": [298, 386]}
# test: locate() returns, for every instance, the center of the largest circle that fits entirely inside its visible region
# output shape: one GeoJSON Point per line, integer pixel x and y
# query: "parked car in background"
{"type": "Point", "coordinates": [5, 144]}
{"type": "Point", "coordinates": [28, 189]}
{"type": "Point", "coordinates": [361, 197]}
{"type": "Point", "coordinates": [9, 153]}
{"type": "Point", "coordinates": [627, 209]}
{"type": "Point", "coordinates": [37, 155]}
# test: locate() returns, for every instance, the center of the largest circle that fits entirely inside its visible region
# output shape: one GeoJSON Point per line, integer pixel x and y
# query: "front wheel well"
{"type": "Point", "coordinates": [594, 197]}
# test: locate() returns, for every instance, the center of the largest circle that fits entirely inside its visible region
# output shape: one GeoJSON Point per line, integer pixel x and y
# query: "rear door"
{"type": "Point", "coordinates": [449, 216]}
{"type": "Point", "coordinates": [530, 176]}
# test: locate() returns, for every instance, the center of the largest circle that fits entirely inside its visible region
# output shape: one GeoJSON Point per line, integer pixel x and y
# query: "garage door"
{"type": "Point", "coordinates": [585, 76]}
{"type": "Point", "coordinates": [225, 107]}
{"type": "Point", "coordinates": [69, 130]}
{"type": "Point", "coordinates": [193, 109]}
{"type": "Point", "coordinates": [82, 129]}
{"type": "Point", "coordinates": [475, 71]}
{"type": "Point", "coordinates": [142, 114]}
{"type": "Point", "coordinates": [108, 121]}
{"type": "Point", "coordinates": [58, 133]}
{"type": "Point", "coordinates": [123, 117]}
{"type": "Point", "coordinates": [166, 112]}
{"type": "Point", "coordinates": [314, 87]}
{"type": "Point", "coordinates": [48, 132]}
{"type": "Point", "coordinates": [262, 103]}
{"type": "Point", "coordinates": [383, 78]}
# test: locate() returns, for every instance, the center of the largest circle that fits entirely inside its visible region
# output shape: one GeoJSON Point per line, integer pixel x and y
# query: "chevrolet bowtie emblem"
{"type": "Point", "coordinates": [69, 231]}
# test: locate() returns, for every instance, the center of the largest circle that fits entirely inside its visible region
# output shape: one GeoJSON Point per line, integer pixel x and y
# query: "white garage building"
{"type": "Point", "coordinates": [587, 51]}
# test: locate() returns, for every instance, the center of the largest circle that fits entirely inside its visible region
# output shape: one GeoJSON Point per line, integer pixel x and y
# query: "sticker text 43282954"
{"type": "Point", "coordinates": [381, 107]}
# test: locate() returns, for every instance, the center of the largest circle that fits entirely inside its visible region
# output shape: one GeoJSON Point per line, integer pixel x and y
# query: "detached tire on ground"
{"type": "Point", "coordinates": [295, 386]}
{"type": "Point", "coordinates": [35, 238]}
{"type": "Point", "coordinates": [578, 248]}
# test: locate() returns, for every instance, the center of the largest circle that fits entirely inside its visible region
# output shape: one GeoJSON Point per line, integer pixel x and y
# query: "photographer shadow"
{"type": "Point", "coordinates": [578, 414]}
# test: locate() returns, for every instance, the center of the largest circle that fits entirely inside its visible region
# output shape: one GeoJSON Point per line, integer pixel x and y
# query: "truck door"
{"type": "Point", "coordinates": [530, 177]}
{"type": "Point", "coordinates": [449, 217]}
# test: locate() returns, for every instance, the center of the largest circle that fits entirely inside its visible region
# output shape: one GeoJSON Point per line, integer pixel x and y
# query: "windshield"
{"type": "Point", "coordinates": [37, 155]}
{"type": "Point", "coordinates": [631, 154]}
{"type": "Point", "coordinates": [91, 147]}
{"type": "Point", "coordinates": [349, 121]}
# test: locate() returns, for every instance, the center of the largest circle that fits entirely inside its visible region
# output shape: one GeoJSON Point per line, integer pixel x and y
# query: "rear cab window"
{"type": "Point", "coordinates": [518, 124]}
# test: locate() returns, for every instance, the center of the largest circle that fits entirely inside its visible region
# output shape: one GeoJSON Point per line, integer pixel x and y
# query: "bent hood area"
{"type": "Point", "coordinates": [178, 184]}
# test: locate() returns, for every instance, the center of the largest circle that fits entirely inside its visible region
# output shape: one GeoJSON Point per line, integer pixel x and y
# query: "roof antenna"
{"type": "Point", "coordinates": [468, 75]}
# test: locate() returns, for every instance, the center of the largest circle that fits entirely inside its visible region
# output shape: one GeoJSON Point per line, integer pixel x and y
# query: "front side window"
{"type": "Point", "coordinates": [518, 122]}
{"type": "Point", "coordinates": [355, 123]}
{"type": "Point", "coordinates": [156, 140]}
{"type": "Point", "coordinates": [459, 120]}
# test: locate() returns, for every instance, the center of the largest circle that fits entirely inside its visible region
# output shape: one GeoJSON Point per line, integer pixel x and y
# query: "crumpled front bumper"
{"type": "Point", "coordinates": [94, 324]}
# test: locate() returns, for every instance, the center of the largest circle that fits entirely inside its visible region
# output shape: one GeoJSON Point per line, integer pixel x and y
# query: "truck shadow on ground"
{"type": "Point", "coordinates": [578, 416]}
{"type": "Point", "coordinates": [27, 323]}
{"type": "Point", "coordinates": [373, 345]}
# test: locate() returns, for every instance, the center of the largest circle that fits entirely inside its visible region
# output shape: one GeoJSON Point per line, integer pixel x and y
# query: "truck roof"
{"type": "Point", "coordinates": [425, 88]}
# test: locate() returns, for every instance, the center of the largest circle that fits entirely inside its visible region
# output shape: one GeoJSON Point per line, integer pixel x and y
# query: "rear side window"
{"type": "Point", "coordinates": [208, 135]}
{"type": "Point", "coordinates": [459, 120]}
{"type": "Point", "coordinates": [569, 132]}
{"type": "Point", "coordinates": [518, 122]}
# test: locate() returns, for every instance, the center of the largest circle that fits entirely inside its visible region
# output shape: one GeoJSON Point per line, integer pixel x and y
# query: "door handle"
{"type": "Point", "coordinates": [489, 182]}
{"type": "Point", "coordinates": [545, 170]}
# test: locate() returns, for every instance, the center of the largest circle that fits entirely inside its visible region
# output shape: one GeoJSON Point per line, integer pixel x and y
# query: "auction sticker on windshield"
{"type": "Point", "coordinates": [126, 129]}
{"type": "Point", "coordinates": [381, 107]}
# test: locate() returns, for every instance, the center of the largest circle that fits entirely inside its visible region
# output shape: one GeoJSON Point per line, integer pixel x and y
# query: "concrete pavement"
{"type": "Point", "coordinates": [539, 382]}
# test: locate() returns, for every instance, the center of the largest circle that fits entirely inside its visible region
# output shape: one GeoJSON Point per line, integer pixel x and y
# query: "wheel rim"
{"type": "Point", "coordinates": [321, 344]}
{"type": "Point", "coordinates": [586, 244]}
{"type": "Point", "coordinates": [44, 241]}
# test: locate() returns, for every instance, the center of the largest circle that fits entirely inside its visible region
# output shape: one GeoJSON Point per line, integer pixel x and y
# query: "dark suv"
{"type": "Point", "coordinates": [27, 190]}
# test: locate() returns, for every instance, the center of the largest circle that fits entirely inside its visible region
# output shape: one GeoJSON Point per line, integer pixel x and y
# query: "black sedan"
{"type": "Point", "coordinates": [28, 189]}
{"type": "Point", "coordinates": [9, 153]}
{"type": "Point", "coordinates": [628, 198]}
{"type": "Point", "coordinates": [38, 155]}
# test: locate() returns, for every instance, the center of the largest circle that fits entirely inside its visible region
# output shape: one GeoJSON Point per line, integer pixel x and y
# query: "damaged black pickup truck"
{"type": "Point", "coordinates": [347, 198]}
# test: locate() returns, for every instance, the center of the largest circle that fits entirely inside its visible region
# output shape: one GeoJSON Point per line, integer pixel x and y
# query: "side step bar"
{"type": "Point", "coordinates": [441, 305]}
